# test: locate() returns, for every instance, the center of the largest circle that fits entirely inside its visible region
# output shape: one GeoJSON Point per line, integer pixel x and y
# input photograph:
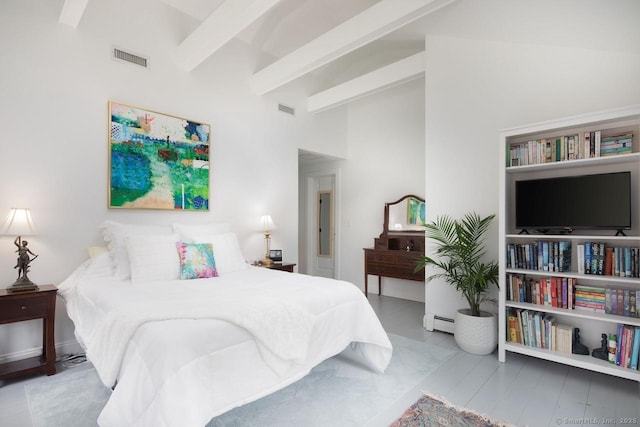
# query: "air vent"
{"type": "Point", "coordinates": [286, 109]}
{"type": "Point", "coordinates": [130, 57]}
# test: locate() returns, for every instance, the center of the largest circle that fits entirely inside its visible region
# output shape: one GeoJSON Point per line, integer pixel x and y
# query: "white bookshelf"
{"type": "Point", "coordinates": [591, 324]}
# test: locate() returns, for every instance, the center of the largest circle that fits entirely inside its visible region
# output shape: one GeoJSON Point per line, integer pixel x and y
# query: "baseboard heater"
{"type": "Point", "coordinates": [434, 322]}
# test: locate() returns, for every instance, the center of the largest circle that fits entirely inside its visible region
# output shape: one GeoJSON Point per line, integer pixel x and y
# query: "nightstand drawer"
{"type": "Point", "coordinates": [26, 308]}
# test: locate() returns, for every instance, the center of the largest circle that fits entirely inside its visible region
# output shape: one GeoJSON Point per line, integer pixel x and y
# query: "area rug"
{"type": "Point", "coordinates": [432, 411]}
{"type": "Point", "coordinates": [340, 391]}
{"type": "Point", "coordinates": [73, 397]}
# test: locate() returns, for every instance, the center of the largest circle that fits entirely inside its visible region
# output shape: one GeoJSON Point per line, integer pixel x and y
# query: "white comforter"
{"type": "Point", "coordinates": [182, 352]}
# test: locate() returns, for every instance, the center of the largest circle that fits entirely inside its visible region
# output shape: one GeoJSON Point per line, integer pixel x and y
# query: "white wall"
{"type": "Point", "coordinates": [55, 83]}
{"type": "Point", "coordinates": [474, 88]}
{"type": "Point", "coordinates": [385, 162]}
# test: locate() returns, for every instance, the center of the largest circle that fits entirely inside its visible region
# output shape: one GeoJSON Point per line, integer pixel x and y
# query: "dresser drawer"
{"type": "Point", "coordinates": [407, 259]}
{"type": "Point", "coordinates": [382, 258]}
{"type": "Point", "coordinates": [26, 308]}
{"type": "Point", "coordinates": [402, 272]}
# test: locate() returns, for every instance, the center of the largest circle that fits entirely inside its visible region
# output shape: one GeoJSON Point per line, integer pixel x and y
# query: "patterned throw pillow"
{"type": "Point", "coordinates": [196, 260]}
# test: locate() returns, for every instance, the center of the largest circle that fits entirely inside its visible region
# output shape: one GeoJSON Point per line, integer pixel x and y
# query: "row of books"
{"type": "Point", "coordinates": [540, 255]}
{"type": "Point", "coordinates": [549, 291]}
{"type": "Point", "coordinates": [542, 330]}
{"type": "Point", "coordinates": [627, 346]}
{"type": "Point", "coordinates": [616, 144]}
{"type": "Point", "coordinates": [565, 292]}
{"type": "Point", "coordinates": [617, 301]}
{"type": "Point", "coordinates": [569, 147]}
{"type": "Point", "coordinates": [602, 259]}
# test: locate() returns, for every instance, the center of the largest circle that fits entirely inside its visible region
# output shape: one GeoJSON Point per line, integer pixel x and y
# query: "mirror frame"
{"type": "Point", "coordinates": [385, 226]}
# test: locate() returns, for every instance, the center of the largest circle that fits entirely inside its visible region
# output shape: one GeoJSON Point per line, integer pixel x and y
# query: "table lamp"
{"type": "Point", "coordinates": [267, 225]}
{"type": "Point", "coordinates": [19, 223]}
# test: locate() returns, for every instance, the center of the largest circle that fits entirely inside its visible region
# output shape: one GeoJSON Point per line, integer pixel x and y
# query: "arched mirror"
{"type": "Point", "coordinates": [325, 223]}
{"type": "Point", "coordinates": [405, 215]}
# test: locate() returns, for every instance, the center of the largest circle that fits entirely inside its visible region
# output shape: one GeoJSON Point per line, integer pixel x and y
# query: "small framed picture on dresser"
{"type": "Point", "coordinates": [275, 255]}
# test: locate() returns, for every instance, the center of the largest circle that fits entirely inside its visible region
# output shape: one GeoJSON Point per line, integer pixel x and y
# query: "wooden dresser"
{"type": "Point", "coordinates": [393, 256]}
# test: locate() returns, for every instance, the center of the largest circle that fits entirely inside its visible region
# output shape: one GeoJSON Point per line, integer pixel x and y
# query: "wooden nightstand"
{"type": "Point", "coordinates": [281, 266]}
{"type": "Point", "coordinates": [21, 306]}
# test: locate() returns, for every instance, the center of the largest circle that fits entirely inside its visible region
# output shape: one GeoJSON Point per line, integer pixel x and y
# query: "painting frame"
{"type": "Point", "coordinates": [416, 211]}
{"type": "Point", "coordinates": [157, 160]}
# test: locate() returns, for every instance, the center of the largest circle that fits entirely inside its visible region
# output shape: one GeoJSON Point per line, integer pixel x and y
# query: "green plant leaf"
{"type": "Point", "coordinates": [459, 250]}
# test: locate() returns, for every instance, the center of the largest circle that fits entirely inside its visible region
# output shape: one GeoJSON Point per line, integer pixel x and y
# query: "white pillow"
{"type": "Point", "coordinates": [114, 233]}
{"type": "Point", "coordinates": [226, 252]}
{"type": "Point", "coordinates": [192, 232]}
{"type": "Point", "coordinates": [153, 257]}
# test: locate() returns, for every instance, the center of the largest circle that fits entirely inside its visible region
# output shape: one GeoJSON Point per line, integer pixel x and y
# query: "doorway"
{"type": "Point", "coordinates": [322, 228]}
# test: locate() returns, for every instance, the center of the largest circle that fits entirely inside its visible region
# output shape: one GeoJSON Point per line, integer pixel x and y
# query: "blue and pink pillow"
{"type": "Point", "coordinates": [196, 260]}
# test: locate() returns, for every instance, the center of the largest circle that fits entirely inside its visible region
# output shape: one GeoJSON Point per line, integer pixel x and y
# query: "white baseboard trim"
{"type": "Point", "coordinates": [434, 322]}
{"type": "Point", "coordinates": [67, 347]}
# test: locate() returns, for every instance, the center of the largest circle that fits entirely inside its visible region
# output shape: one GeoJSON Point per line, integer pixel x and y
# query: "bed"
{"type": "Point", "coordinates": [183, 329]}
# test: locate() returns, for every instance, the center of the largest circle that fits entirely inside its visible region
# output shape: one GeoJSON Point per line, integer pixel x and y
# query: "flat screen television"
{"type": "Point", "coordinates": [598, 202]}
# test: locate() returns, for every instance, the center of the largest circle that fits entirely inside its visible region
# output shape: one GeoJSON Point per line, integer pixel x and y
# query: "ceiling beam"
{"type": "Point", "coordinates": [399, 72]}
{"type": "Point", "coordinates": [375, 22]}
{"type": "Point", "coordinates": [72, 11]}
{"type": "Point", "coordinates": [224, 23]}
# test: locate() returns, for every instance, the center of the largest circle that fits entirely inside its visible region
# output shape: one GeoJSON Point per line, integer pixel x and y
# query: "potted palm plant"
{"type": "Point", "coordinates": [460, 260]}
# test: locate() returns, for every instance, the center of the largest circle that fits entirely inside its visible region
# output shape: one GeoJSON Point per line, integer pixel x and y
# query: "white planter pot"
{"type": "Point", "coordinates": [475, 334]}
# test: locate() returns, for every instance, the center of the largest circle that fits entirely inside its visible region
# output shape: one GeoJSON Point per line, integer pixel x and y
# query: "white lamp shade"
{"type": "Point", "coordinates": [18, 223]}
{"type": "Point", "coordinates": [266, 223]}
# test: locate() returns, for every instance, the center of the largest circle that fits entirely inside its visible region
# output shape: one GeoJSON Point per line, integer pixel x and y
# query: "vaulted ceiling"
{"type": "Point", "coordinates": [302, 37]}
{"type": "Point", "coordinates": [356, 47]}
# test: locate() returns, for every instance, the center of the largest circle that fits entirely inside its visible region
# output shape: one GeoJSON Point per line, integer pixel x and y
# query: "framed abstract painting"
{"type": "Point", "coordinates": [416, 211]}
{"type": "Point", "coordinates": [157, 161]}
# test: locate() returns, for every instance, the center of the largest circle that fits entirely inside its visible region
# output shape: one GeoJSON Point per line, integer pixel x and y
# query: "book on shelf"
{"type": "Point", "coordinates": [588, 246]}
{"type": "Point", "coordinates": [608, 261]}
{"type": "Point", "coordinates": [514, 331]}
{"type": "Point", "coordinates": [626, 302]}
{"type": "Point", "coordinates": [587, 147]}
{"type": "Point", "coordinates": [628, 346]}
{"type": "Point", "coordinates": [564, 256]}
{"type": "Point", "coordinates": [571, 144]}
{"type": "Point", "coordinates": [538, 329]}
{"type": "Point", "coordinates": [635, 349]}
{"type": "Point", "coordinates": [607, 304]}
{"type": "Point", "coordinates": [618, 342]}
{"type": "Point", "coordinates": [620, 302]}
{"type": "Point", "coordinates": [564, 338]}
{"type": "Point", "coordinates": [580, 258]}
